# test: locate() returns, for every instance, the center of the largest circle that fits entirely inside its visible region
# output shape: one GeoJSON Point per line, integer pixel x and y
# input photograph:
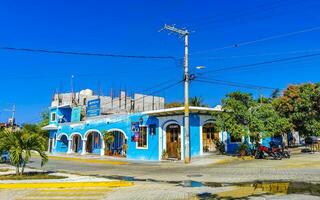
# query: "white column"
{"type": "Point", "coordinates": [69, 147]}
{"type": "Point", "coordinates": [201, 141]}
{"type": "Point", "coordinates": [83, 152]}
{"type": "Point", "coordinates": [182, 143]}
{"type": "Point", "coordinates": [102, 147]}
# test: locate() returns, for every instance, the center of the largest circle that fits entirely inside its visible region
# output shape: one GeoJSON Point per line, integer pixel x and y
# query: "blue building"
{"type": "Point", "coordinates": [150, 135]}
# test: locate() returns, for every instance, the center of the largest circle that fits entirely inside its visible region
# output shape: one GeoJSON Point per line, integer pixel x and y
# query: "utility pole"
{"type": "Point", "coordinates": [13, 114]}
{"type": "Point", "coordinates": [72, 90]}
{"type": "Point", "coordinates": [184, 33]}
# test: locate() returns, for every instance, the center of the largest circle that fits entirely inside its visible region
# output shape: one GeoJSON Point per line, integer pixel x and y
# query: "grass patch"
{"type": "Point", "coordinates": [30, 176]}
{"type": "Point", "coordinates": [4, 169]}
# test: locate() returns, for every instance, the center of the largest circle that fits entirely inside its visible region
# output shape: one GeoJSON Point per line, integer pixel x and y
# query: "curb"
{"type": "Point", "coordinates": [88, 160]}
{"type": "Point", "coordinates": [65, 185]}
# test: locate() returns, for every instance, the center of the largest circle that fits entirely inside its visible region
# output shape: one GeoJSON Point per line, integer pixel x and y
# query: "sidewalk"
{"type": "Point", "coordinates": [71, 180]}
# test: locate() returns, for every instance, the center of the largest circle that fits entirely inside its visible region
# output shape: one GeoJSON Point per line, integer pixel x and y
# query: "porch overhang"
{"type": "Point", "coordinates": [180, 111]}
{"type": "Point", "coordinates": [50, 127]}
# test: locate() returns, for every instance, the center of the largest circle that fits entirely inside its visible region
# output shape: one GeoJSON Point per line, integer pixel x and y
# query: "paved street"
{"type": "Point", "coordinates": [301, 167]}
{"type": "Point", "coordinates": [173, 180]}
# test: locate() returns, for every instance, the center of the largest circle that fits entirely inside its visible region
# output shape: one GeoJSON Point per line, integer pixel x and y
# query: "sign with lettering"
{"type": "Point", "coordinates": [76, 114]}
{"type": "Point", "coordinates": [93, 108]}
{"type": "Point", "coordinates": [135, 128]}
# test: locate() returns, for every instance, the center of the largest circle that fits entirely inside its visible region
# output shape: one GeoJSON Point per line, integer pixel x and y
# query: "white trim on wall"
{"type": "Point", "coordinates": [101, 136]}
{"type": "Point", "coordinates": [201, 141]}
{"type": "Point", "coordinates": [116, 129]}
{"type": "Point", "coordinates": [147, 131]}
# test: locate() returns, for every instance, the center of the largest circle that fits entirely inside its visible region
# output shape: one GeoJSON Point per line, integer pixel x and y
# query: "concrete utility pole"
{"type": "Point", "coordinates": [184, 33]}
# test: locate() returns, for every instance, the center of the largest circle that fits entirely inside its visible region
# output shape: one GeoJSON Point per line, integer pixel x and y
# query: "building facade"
{"type": "Point", "coordinates": [151, 135]}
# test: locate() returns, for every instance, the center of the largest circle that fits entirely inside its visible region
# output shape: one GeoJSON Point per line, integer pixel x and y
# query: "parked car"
{"type": "Point", "coordinates": [5, 157]}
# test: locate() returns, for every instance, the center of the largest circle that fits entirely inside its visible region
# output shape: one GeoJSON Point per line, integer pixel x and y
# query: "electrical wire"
{"type": "Point", "coordinates": [258, 55]}
{"type": "Point", "coordinates": [246, 66]}
{"type": "Point", "coordinates": [84, 53]}
{"type": "Point", "coordinates": [235, 84]}
{"type": "Point", "coordinates": [315, 28]}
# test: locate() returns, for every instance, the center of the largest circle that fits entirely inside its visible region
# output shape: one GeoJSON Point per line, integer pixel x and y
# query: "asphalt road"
{"type": "Point", "coordinates": [302, 167]}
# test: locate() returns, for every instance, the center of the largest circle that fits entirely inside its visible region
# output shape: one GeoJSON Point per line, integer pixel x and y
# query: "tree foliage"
{"type": "Point", "coordinates": [173, 105]}
{"type": "Point", "coordinates": [197, 101]}
{"type": "Point", "coordinates": [19, 145]}
{"type": "Point", "coordinates": [301, 105]}
{"type": "Point", "coordinates": [244, 116]}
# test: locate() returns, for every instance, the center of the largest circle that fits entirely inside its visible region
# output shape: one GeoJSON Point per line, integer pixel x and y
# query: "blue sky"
{"type": "Point", "coordinates": [131, 27]}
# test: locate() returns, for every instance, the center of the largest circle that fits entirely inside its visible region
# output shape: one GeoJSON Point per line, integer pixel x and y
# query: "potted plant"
{"type": "Point", "coordinates": [243, 149]}
{"type": "Point", "coordinates": [108, 140]}
{"type": "Point", "coordinates": [165, 155]}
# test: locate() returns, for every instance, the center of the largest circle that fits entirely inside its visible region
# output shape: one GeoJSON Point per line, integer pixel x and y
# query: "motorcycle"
{"type": "Point", "coordinates": [264, 152]}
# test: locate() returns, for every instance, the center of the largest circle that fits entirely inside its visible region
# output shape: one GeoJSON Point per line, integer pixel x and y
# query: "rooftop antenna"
{"type": "Point", "coordinates": [72, 90]}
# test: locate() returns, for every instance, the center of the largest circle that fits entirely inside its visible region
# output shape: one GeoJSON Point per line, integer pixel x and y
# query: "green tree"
{"type": "Point", "coordinates": [266, 119]}
{"type": "Point", "coordinates": [275, 93]}
{"type": "Point", "coordinates": [244, 116]}
{"type": "Point", "coordinates": [19, 145]}
{"type": "Point", "coordinates": [236, 116]}
{"type": "Point", "coordinates": [301, 105]}
{"type": "Point", "coordinates": [108, 138]}
{"type": "Point", "coordinates": [196, 101]}
{"type": "Point", "coordinates": [173, 105]}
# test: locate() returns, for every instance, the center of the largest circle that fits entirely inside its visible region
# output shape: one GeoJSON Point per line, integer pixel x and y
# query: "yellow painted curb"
{"type": "Point", "coordinates": [65, 185]}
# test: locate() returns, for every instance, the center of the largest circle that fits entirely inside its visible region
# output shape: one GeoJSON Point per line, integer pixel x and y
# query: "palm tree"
{"type": "Point", "coordinates": [108, 138]}
{"type": "Point", "coordinates": [196, 101]}
{"type": "Point", "coordinates": [19, 145]}
{"type": "Point", "coordinates": [275, 93]}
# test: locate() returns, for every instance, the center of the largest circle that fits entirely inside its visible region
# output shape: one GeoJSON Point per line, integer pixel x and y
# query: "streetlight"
{"type": "Point", "coordinates": [200, 67]}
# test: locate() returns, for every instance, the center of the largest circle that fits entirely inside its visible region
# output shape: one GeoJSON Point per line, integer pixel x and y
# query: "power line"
{"type": "Point", "coordinates": [235, 84]}
{"type": "Point", "coordinates": [229, 15]}
{"type": "Point", "coordinates": [259, 55]}
{"type": "Point", "coordinates": [84, 53]}
{"type": "Point", "coordinates": [258, 40]}
{"type": "Point", "coordinates": [257, 9]}
{"type": "Point", "coordinates": [232, 83]}
{"type": "Point", "coordinates": [246, 66]}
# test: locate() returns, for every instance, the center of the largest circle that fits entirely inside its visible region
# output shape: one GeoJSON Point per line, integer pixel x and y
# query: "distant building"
{"type": "Point", "coordinates": [10, 125]}
{"type": "Point", "coordinates": [123, 103]}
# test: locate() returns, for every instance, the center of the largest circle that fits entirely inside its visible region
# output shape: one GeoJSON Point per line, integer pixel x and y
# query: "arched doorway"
{"type": "Point", "coordinates": [62, 143]}
{"type": "Point", "coordinates": [209, 136]}
{"type": "Point", "coordinates": [173, 141]}
{"type": "Point", "coordinates": [76, 143]}
{"type": "Point", "coordinates": [117, 147]}
{"type": "Point", "coordinates": [94, 142]}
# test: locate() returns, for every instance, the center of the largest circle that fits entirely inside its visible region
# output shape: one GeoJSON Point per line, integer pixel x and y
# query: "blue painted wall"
{"type": "Point", "coordinates": [194, 121]}
{"type": "Point", "coordinates": [124, 125]}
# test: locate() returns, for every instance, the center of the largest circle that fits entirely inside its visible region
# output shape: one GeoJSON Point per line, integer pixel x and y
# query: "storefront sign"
{"type": "Point", "coordinates": [93, 108]}
{"type": "Point", "coordinates": [135, 128]}
{"type": "Point", "coordinates": [76, 114]}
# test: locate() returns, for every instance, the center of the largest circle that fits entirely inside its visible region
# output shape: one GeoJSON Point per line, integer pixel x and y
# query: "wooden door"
{"type": "Point", "coordinates": [208, 137]}
{"type": "Point", "coordinates": [173, 141]}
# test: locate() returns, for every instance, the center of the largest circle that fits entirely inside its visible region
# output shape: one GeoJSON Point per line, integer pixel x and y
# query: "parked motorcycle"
{"type": "Point", "coordinates": [280, 150]}
{"type": "Point", "coordinates": [264, 152]}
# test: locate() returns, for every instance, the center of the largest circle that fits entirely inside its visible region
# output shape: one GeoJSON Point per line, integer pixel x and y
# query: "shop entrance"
{"type": "Point", "coordinates": [116, 144]}
{"type": "Point", "coordinates": [209, 136]}
{"type": "Point", "coordinates": [76, 143]}
{"type": "Point", "coordinates": [173, 138]}
{"type": "Point", "coordinates": [93, 144]}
